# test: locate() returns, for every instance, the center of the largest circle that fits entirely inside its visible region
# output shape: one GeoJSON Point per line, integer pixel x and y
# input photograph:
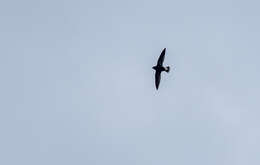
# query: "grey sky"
{"type": "Point", "coordinates": [77, 85]}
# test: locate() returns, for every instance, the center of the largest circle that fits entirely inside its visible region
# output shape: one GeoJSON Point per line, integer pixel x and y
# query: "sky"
{"type": "Point", "coordinates": [77, 85]}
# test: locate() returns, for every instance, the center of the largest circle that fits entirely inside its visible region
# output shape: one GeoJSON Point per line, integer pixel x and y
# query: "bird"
{"type": "Point", "coordinates": [160, 68]}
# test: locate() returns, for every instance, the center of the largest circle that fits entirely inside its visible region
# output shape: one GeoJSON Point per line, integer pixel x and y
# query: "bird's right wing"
{"type": "Point", "coordinates": [161, 58]}
{"type": "Point", "coordinates": [157, 79]}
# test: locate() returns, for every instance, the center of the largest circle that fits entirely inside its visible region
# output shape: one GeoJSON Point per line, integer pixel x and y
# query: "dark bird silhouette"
{"type": "Point", "coordinates": [160, 68]}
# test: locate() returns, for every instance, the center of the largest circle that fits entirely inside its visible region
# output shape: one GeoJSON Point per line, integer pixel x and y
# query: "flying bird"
{"type": "Point", "coordinates": [160, 68]}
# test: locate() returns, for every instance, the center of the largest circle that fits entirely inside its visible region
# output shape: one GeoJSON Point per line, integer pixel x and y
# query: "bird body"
{"type": "Point", "coordinates": [160, 68]}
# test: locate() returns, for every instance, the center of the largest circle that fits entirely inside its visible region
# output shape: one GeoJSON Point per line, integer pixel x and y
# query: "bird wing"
{"type": "Point", "coordinates": [161, 58]}
{"type": "Point", "coordinates": [157, 79]}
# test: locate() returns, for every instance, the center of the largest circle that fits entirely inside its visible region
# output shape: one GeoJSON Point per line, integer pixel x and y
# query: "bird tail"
{"type": "Point", "coordinates": [167, 69]}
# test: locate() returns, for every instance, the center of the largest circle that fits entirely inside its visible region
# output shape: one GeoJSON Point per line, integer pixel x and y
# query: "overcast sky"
{"type": "Point", "coordinates": [77, 85]}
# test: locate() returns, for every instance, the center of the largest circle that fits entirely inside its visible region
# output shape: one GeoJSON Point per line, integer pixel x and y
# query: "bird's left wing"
{"type": "Point", "coordinates": [161, 58]}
